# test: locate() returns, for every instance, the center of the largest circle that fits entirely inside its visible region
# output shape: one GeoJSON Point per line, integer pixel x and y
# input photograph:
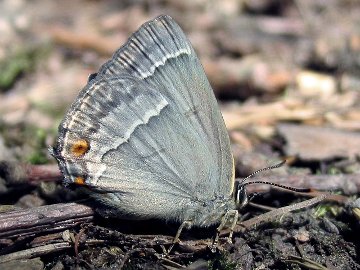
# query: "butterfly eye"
{"type": "Point", "coordinates": [241, 198]}
{"type": "Point", "coordinates": [80, 147]}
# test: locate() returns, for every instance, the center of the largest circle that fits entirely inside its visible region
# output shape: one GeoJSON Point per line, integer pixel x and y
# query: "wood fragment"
{"type": "Point", "coordinates": [19, 173]}
{"type": "Point", "coordinates": [311, 143]}
{"type": "Point", "coordinates": [42, 219]}
{"type": "Point", "coordinates": [84, 41]}
{"type": "Point", "coordinates": [278, 212]}
{"type": "Point", "coordinates": [346, 183]}
{"type": "Point", "coordinates": [289, 110]}
{"type": "Point", "coordinates": [34, 252]}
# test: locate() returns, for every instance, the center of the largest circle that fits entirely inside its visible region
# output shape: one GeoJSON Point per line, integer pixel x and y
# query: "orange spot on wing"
{"type": "Point", "coordinates": [79, 148]}
{"type": "Point", "coordinates": [79, 180]}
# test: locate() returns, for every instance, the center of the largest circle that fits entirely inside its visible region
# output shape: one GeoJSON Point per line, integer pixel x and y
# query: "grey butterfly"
{"type": "Point", "coordinates": [147, 136]}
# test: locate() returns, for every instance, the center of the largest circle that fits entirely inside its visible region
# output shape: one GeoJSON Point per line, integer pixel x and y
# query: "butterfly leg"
{"type": "Point", "coordinates": [186, 224]}
{"type": "Point", "coordinates": [224, 220]}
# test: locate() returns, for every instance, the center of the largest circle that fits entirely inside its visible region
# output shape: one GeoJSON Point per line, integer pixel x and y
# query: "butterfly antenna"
{"type": "Point", "coordinates": [262, 170]}
{"type": "Point", "coordinates": [305, 190]}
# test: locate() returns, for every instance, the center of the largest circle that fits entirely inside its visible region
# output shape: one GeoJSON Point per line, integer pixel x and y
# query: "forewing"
{"type": "Point", "coordinates": [160, 54]}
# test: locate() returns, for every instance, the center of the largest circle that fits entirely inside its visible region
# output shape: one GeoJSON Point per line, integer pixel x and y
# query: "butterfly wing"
{"type": "Point", "coordinates": [148, 127]}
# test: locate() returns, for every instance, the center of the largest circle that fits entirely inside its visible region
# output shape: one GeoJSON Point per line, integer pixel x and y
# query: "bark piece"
{"type": "Point", "coordinates": [47, 218]}
{"type": "Point", "coordinates": [311, 143]}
